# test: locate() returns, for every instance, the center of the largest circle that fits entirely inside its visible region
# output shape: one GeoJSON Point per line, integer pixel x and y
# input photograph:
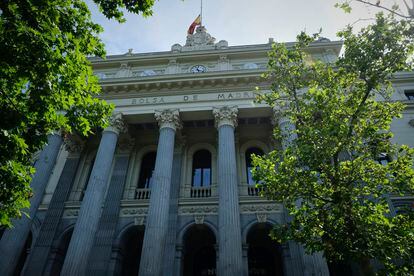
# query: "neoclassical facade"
{"type": "Point", "coordinates": [166, 189]}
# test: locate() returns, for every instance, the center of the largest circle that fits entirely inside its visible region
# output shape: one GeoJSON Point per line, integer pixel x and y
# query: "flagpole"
{"type": "Point", "coordinates": [201, 13]}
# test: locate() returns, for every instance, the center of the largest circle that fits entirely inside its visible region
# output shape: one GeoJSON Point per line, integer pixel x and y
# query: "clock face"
{"type": "Point", "coordinates": [198, 69]}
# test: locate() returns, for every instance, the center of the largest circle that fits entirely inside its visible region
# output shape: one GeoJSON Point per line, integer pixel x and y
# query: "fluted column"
{"type": "Point", "coordinates": [314, 264]}
{"type": "Point", "coordinates": [230, 242]}
{"type": "Point", "coordinates": [13, 240]}
{"type": "Point", "coordinates": [157, 220]}
{"type": "Point", "coordinates": [86, 225]}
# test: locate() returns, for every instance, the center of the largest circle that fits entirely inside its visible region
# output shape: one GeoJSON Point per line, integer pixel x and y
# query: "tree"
{"type": "Point", "coordinates": [329, 178]}
{"type": "Point", "coordinates": [46, 83]}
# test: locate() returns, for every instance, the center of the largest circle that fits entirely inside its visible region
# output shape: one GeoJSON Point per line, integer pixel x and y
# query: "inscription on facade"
{"type": "Point", "coordinates": [194, 98]}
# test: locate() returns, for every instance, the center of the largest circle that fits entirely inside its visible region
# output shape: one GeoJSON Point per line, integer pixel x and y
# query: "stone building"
{"type": "Point", "coordinates": [167, 188]}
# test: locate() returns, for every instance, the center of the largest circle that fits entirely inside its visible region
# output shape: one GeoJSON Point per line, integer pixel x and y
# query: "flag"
{"type": "Point", "coordinates": [196, 22]}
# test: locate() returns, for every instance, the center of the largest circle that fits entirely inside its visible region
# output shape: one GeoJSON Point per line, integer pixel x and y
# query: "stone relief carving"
{"type": "Point", "coordinates": [140, 220]}
{"type": "Point", "coordinates": [168, 118]}
{"type": "Point", "coordinates": [201, 37]}
{"type": "Point", "coordinates": [260, 208]}
{"type": "Point", "coordinates": [73, 143]}
{"type": "Point", "coordinates": [129, 212]}
{"type": "Point", "coordinates": [199, 219]}
{"type": "Point", "coordinates": [261, 217]}
{"type": "Point", "coordinates": [226, 115]}
{"type": "Point", "coordinates": [124, 71]}
{"type": "Point", "coordinates": [205, 210]}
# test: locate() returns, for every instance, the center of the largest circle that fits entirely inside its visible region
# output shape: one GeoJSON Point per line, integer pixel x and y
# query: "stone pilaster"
{"type": "Point", "coordinates": [37, 260]}
{"type": "Point", "coordinates": [87, 223]}
{"type": "Point", "coordinates": [13, 240]}
{"type": "Point", "coordinates": [298, 262]}
{"type": "Point", "coordinates": [156, 229]}
{"type": "Point", "coordinates": [230, 242]}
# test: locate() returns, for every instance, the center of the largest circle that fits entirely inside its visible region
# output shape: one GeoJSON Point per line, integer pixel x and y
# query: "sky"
{"type": "Point", "coordinates": [240, 22]}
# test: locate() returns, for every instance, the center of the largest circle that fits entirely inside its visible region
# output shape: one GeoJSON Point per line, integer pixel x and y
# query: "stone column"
{"type": "Point", "coordinates": [37, 261]}
{"type": "Point", "coordinates": [86, 225]}
{"type": "Point", "coordinates": [99, 261]}
{"type": "Point", "coordinates": [14, 239]}
{"type": "Point", "coordinates": [230, 242]}
{"type": "Point", "coordinates": [299, 263]}
{"type": "Point", "coordinates": [156, 228]}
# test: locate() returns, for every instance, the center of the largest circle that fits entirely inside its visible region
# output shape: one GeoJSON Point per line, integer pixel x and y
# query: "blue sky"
{"type": "Point", "coordinates": [239, 22]}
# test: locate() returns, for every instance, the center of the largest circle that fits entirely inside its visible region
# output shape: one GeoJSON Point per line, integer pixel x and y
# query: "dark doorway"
{"type": "Point", "coordinates": [199, 251]}
{"type": "Point", "coordinates": [60, 252]}
{"type": "Point", "coordinates": [131, 246]}
{"type": "Point", "coordinates": [23, 255]}
{"type": "Point", "coordinates": [264, 255]}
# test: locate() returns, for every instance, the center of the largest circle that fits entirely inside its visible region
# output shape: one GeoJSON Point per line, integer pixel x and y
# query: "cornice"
{"type": "Point", "coordinates": [114, 88]}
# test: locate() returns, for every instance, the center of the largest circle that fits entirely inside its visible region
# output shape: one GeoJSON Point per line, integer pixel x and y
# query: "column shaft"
{"type": "Point", "coordinates": [14, 239]}
{"type": "Point", "coordinates": [90, 211]}
{"type": "Point", "coordinates": [230, 242]}
{"type": "Point", "coordinates": [157, 220]}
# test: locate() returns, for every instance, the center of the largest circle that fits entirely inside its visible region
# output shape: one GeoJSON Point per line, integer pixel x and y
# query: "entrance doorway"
{"type": "Point", "coordinates": [199, 252]}
{"type": "Point", "coordinates": [264, 254]}
{"type": "Point", "coordinates": [130, 250]}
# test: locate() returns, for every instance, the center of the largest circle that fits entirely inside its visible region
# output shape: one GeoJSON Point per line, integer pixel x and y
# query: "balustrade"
{"type": "Point", "coordinates": [201, 191]}
{"type": "Point", "coordinates": [142, 193]}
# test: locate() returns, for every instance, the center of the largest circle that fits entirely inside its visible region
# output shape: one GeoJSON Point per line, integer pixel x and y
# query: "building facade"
{"type": "Point", "coordinates": [167, 188]}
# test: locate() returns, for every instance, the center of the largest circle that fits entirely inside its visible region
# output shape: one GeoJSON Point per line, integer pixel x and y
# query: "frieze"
{"type": "Point", "coordinates": [133, 212]}
{"type": "Point", "coordinates": [259, 208]}
{"type": "Point", "coordinates": [195, 210]}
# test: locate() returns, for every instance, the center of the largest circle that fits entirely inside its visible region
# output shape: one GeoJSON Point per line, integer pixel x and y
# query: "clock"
{"type": "Point", "coordinates": [198, 69]}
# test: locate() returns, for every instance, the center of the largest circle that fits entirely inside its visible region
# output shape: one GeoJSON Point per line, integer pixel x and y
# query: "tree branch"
{"type": "Point", "coordinates": [410, 16]}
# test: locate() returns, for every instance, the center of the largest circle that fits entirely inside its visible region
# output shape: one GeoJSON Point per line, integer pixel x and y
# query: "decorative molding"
{"type": "Point", "coordinates": [74, 144]}
{"type": "Point", "coordinates": [261, 217]}
{"type": "Point", "coordinates": [71, 213]}
{"type": "Point", "coordinates": [199, 219]}
{"type": "Point", "coordinates": [133, 212]}
{"type": "Point", "coordinates": [226, 115]}
{"type": "Point", "coordinates": [260, 208]}
{"type": "Point", "coordinates": [198, 210]}
{"type": "Point", "coordinates": [168, 118]}
{"type": "Point", "coordinates": [139, 220]}
{"type": "Point", "coordinates": [125, 144]}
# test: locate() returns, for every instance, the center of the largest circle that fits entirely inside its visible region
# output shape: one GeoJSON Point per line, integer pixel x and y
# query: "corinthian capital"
{"type": "Point", "coordinates": [117, 124]}
{"type": "Point", "coordinates": [226, 115]}
{"type": "Point", "coordinates": [74, 144]}
{"type": "Point", "coordinates": [168, 118]}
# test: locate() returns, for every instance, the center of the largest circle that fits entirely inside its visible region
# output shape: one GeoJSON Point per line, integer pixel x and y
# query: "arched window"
{"type": "Point", "coordinates": [147, 167]}
{"type": "Point", "coordinates": [249, 165]}
{"type": "Point", "coordinates": [201, 168]}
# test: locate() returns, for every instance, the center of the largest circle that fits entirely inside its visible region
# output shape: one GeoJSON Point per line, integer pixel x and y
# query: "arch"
{"type": "Point", "coordinates": [187, 172]}
{"type": "Point", "coordinates": [60, 249]}
{"type": "Point", "coordinates": [263, 254]}
{"type": "Point", "coordinates": [199, 251]}
{"type": "Point", "coordinates": [134, 170]}
{"type": "Point", "coordinates": [252, 223]}
{"type": "Point", "coordinates": [127, 248]}
{"type": "Point", "coordinates": [242, 157]}
{"type": "Point", "coordinates": [192, 223]}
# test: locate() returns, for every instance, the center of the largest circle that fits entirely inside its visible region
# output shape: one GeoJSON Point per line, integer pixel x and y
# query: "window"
{"type": "Point", "coordinates": [409, 94]}
{"type": "Point", "coordinates": [249, 165]}
{"type": "Point", "coordinates": [147, 167]}
{"type": "Point", "coordinates": [201, 169]}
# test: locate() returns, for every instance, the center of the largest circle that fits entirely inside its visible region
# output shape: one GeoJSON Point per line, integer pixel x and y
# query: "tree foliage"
{"type": "Point", "coordinates": [329, 178]}
{"type": "Point", "coordinates": [46, 83]}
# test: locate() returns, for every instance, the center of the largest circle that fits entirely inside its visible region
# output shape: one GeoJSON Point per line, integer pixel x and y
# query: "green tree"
{"type": "Point", "coordinates": [46, 82]}
{"type": "Point", "coordinates": [329, 178]}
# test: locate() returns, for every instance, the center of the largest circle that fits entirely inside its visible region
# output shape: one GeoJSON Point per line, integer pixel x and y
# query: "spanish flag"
{"type": "Point", "coordinates": [196, 22]}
